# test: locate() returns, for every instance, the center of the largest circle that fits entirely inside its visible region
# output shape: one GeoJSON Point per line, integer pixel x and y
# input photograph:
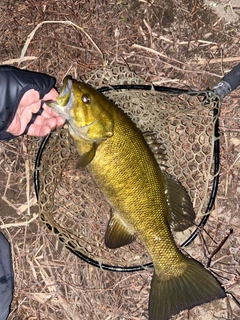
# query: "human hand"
{"type": "Point", "coordinates": [44, 122]}
{"type": "Point", "coordinates": [22, 108]}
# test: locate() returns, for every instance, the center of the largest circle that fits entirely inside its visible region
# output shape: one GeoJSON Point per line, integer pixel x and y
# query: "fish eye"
{"type": "Point", "coordinates": [86, 99]}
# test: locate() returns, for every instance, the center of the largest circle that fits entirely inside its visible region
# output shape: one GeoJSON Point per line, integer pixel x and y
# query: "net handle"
{"type": "Point", "coordinates": [228, 83]}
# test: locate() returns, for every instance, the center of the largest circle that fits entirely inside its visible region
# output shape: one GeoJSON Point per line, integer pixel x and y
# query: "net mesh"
{"type": "Point", "coordinates": [73, 207]}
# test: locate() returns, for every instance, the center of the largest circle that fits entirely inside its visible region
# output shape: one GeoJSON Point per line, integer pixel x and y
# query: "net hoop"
{"type": "Point", "coordinates": [216, 166]}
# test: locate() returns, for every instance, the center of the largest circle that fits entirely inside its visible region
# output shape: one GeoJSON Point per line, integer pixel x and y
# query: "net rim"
{"type": "Point", "coordinates": [215, 182]}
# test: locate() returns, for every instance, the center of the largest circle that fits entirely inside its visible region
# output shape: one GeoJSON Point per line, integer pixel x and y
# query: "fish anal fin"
{"type": "Point", "coordinates": [117, 233]}
{"type": "Point", "coordinates": [193, 287]}
{"type": "Point", "coordinates": [181, 214]}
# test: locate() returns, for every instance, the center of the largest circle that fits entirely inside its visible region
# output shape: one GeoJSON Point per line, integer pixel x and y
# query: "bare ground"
{"type": "Point", "coordinates": [180, 44]}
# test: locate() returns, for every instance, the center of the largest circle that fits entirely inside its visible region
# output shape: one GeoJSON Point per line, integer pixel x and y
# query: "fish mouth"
{"type": "Point", "coordinates": [63, 106]}
{"type": "Point", "coordinates": [63, 103]}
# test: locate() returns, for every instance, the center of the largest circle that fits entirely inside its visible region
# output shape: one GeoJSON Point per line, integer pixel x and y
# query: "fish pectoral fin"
{"type": "Point", "coordinates": [181, 214]}
{"type": "Point", "coordinates": [87, 156]}
{"type": "Point", "coordinates": [117, 233]}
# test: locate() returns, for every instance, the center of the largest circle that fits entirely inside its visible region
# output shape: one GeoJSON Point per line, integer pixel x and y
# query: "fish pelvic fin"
{"type": "Point", "coordinates": [181, 214]}
{"type": "Point", "coordinates": [193, 287]}
{"type": "Point", "coordinates": [117, 233]}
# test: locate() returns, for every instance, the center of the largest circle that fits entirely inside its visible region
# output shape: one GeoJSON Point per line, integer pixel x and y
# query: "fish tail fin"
{"type": "Point", "coordinates": [193, 287]}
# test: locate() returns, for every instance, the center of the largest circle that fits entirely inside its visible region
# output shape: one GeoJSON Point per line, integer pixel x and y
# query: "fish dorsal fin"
{"type": "Point", "coordinates": [181, 214]}
{"type": "Point", "coordinates": [156, 147]}
{"type": "Point", "coordinates": [117, 233]}
{"type": "Point", "coordinates": [86, 157]}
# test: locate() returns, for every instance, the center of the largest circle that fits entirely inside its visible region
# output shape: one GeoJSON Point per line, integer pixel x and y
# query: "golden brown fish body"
{"type": "Point", "coordinates": [133, 184]}
{"type": "Point", "coordinates": [144, 199]}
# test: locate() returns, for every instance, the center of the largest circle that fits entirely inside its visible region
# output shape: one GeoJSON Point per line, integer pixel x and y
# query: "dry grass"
{"type": "Point", "coordinates": [180, 44]}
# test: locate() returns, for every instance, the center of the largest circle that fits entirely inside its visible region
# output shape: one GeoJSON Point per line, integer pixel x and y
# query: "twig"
{"type": "Point", "coordinates": [202, 61]}
{"type": "Point", "coordinates": [11, 61]}
{"type": "Point", "coordinates": [219, 247]}
{"type": "Point", "coordinates": [69, 23]}
{"type": "Point", "coordinates": [19, 224]}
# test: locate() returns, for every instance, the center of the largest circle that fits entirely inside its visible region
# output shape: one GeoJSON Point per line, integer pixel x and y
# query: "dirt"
{"type": "Point", "coordinates": [187, 43]}
{"type": "Point", "coordinates": [226, 10]}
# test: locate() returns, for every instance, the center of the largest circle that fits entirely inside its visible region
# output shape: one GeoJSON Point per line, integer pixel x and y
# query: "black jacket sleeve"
{"type": "Point", "coordinates": [13, 84]}
{"type": "Point", "coordinates": [6, 277]}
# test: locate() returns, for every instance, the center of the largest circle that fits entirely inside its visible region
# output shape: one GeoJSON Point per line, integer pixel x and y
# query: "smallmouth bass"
{"type": "Point", "coordinates": [145, 200]}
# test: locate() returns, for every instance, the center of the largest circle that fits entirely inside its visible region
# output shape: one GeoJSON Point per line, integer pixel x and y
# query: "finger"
{"type": "Point", "coordinates": [52, 122]}
{"type": "Point", "coordinates": [22, 118]}
{"type": "Point", "coordinates": [33, 118]}
{"type": "Point", "coordinates": [60, 121]}
{"type": "Point", "coordinates": [42, 121]}
{"type": "Point", "coordinates": [30, 97]}
{"type": "Point", "coordinates": [38, 131]}
{"type": "Point", "coordinates": [42, 126]}
{"type": "Point", "coordinates": [49, 113]}
{"type": "Point", "coordinates": [27, 110]}
{"type": "Point", "coordinates": [51, 95]}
